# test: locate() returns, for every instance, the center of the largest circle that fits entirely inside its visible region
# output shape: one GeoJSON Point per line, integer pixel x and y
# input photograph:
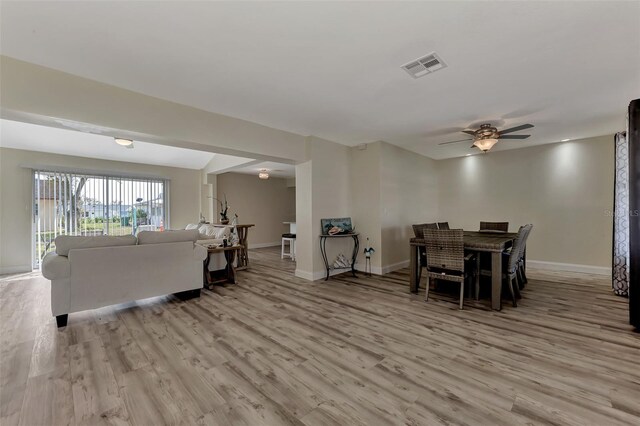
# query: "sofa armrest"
{"type": "Point", "coordinates": [55, 267]}
{"type": "Point", "coordinates": [199, 252]}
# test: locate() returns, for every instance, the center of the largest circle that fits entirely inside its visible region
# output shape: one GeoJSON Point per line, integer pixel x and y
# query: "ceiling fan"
{"type": "Point", "coordinates": [487, 136]}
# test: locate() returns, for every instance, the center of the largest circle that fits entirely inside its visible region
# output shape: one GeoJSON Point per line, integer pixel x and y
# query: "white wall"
{"type": "Point", "coordinates": [16, 197]}
{"type": "Point", "coordinates": [264, 203]}
{"type": "Point", "coordinates": [565, 190]}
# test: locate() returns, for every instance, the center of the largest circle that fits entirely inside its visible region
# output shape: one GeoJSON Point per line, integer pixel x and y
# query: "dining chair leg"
{"type": "Point", "coordinates": [419, 275]}
{"type": "Point", "coordinates": [477, 277]}
{"type": "Point", "coordinates": [516, 288]}
{"type": "Point", "coordinates": [519, 279]}
{"type": "Point", "coordinates": [461, 294]}
{"type": "Point", "coordinates": [513, 295]}
{"type": "Point", "coordinates": [523, 273]}
{"type": "Point", "coordinates": [426, 293]}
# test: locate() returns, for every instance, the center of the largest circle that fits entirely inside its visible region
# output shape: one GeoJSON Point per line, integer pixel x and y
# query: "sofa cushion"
{"type": "Point", "coordinates": [177, 236]}
{"type": "Point", "coordinates": [64, 243]}
{"type": "Point", "coordinates": [192, 226]}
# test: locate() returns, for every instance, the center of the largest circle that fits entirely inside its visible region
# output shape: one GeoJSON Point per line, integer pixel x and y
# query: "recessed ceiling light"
{"type": "Point", "coordinates": [565, 140]}
{"type": "Point", "coordinates": [123, 142]}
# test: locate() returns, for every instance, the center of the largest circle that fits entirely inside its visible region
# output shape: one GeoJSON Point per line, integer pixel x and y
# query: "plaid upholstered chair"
{"type": "Point", "coordinates": [446, 259]}
{"type": "Point", "coordinates": [494, 226]}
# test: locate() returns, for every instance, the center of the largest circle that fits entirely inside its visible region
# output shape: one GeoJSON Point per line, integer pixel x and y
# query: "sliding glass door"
{"type": "Point", "coordinates": [87, 204]}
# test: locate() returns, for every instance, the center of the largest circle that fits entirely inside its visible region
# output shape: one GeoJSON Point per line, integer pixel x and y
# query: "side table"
{"type": "Point", "coordinates": [354, 255]}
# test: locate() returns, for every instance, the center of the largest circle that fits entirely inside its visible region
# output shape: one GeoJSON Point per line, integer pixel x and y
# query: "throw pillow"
{"type": "Point", "coordinates": [221, 232]}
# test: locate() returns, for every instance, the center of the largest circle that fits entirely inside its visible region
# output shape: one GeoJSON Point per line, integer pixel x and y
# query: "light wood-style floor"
{"type": "Point", "coordinates": [275, 350]}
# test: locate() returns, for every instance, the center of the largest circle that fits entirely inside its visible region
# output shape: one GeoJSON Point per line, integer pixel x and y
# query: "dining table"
{"type": "Point", "coordinates": [476, 241]}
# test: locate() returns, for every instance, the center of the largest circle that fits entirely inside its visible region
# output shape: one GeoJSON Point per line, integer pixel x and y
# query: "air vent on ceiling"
{"type": "Point", "coordinates": [423, 66]}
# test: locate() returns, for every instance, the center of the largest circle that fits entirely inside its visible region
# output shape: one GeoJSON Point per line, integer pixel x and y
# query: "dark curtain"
{"type": "Point", "coordinates": [620, 281]}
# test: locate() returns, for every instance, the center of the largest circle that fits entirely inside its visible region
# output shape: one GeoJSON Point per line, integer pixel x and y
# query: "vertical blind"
{"type": "Point", "coordinates": [91, 204]}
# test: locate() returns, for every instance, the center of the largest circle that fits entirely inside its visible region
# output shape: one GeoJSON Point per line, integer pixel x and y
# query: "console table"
{"type": "Point", "coordinates": [354, 255]}
{"type": "Point", "coordinates": [229, 271]}
{"type": "Point", "coordinates": [243, 253]}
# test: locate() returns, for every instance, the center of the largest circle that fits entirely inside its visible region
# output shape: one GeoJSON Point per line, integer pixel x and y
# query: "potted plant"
{"type": "Point", "coordinates": [224, 208]}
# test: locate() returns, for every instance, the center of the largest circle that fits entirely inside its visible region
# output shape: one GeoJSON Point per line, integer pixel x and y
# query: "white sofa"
{"type": "Point", "coordinates": [92, 272]}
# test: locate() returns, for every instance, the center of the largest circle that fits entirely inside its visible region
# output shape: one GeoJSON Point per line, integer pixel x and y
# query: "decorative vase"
{"type": "Point", "coordinates": [224, 221]}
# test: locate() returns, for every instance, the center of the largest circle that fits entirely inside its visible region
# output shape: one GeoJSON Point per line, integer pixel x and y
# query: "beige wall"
{"type": "Point", "coordinates": [408, 194]}
{"type": "Point", "coordinates": [392, 188]}
{"type": "Point", "coordinates": [16, 196]}
{"type": "Point", "coordinates": [565, 190]}
{"type": "Point", "coordinates": [365, 201]}
{"type": "Point", "coordinates": [322, 191]}
{"type": "Point", "coordinates": [265, 203]}
{"type": "Point", "coordinates": [34, 93]}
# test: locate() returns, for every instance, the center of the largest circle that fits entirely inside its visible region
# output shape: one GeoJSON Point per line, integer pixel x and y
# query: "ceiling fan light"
{"type": "Point", "coordinates": [123, 142]}
{"type": "Point", "coordinates": [485, 145]}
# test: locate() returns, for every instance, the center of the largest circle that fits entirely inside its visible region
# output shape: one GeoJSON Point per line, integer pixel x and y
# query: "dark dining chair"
{"type": "Point", "coordinates": [443, 225]}
{"type": "Point", "coordinates": [521, 257]}
{"type": "Point", "coordinates": [494, 226]}
{"type": "Point", "coordinates": [446, 259]}
{"type": "Point", "coordinates": [418, 230]}
{"type": "Point", "coordinates": [510, 268]}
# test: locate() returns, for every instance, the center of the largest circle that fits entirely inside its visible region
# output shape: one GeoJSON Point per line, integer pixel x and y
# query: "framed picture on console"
{"type": "Point", "coordinates": [343, 223]}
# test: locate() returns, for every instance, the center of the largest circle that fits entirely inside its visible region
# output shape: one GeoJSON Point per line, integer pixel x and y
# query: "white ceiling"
{"type": "Point", "coordinates": [274, 169]}
{"type": "Point", "coordinates": [333, 69]}
{"type": "Point", "coordinates": [33, 137]}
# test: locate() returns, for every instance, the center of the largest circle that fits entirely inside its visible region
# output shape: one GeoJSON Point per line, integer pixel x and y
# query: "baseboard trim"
{"type": "Point", "coordinates": [319, 275]}
{"type": "Point", "coordinates": [569, 267]}
{"type": "Point", "coordinates": [306, 275]}
{"type": "Point", "coordinates": [536, 264]}
{"type": "Point", "coordinates": [395, 266]}
{"type": "Point", "coordinates": [5, 270]}
{"type": "Point", "coordinates": [263, 245]}
{"type": "Point", "coordinates": [377, 270]}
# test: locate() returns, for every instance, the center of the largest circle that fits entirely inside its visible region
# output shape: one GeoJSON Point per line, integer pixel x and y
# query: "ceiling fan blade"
{"type": "Point", "coordinates": [515, 129]}
{"type": "Point", "coordinates": [461, 140]}
{"type": "Point", "coordinates": [514, 136]}
{"type": "Point", "coordinates": [469, 132]}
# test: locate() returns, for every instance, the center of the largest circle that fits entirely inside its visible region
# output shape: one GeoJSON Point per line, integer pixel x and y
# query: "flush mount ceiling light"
{"type": "Point", "coordinates": [263, 174]}
{"type": "Point", "coordinates": [124, 142]}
